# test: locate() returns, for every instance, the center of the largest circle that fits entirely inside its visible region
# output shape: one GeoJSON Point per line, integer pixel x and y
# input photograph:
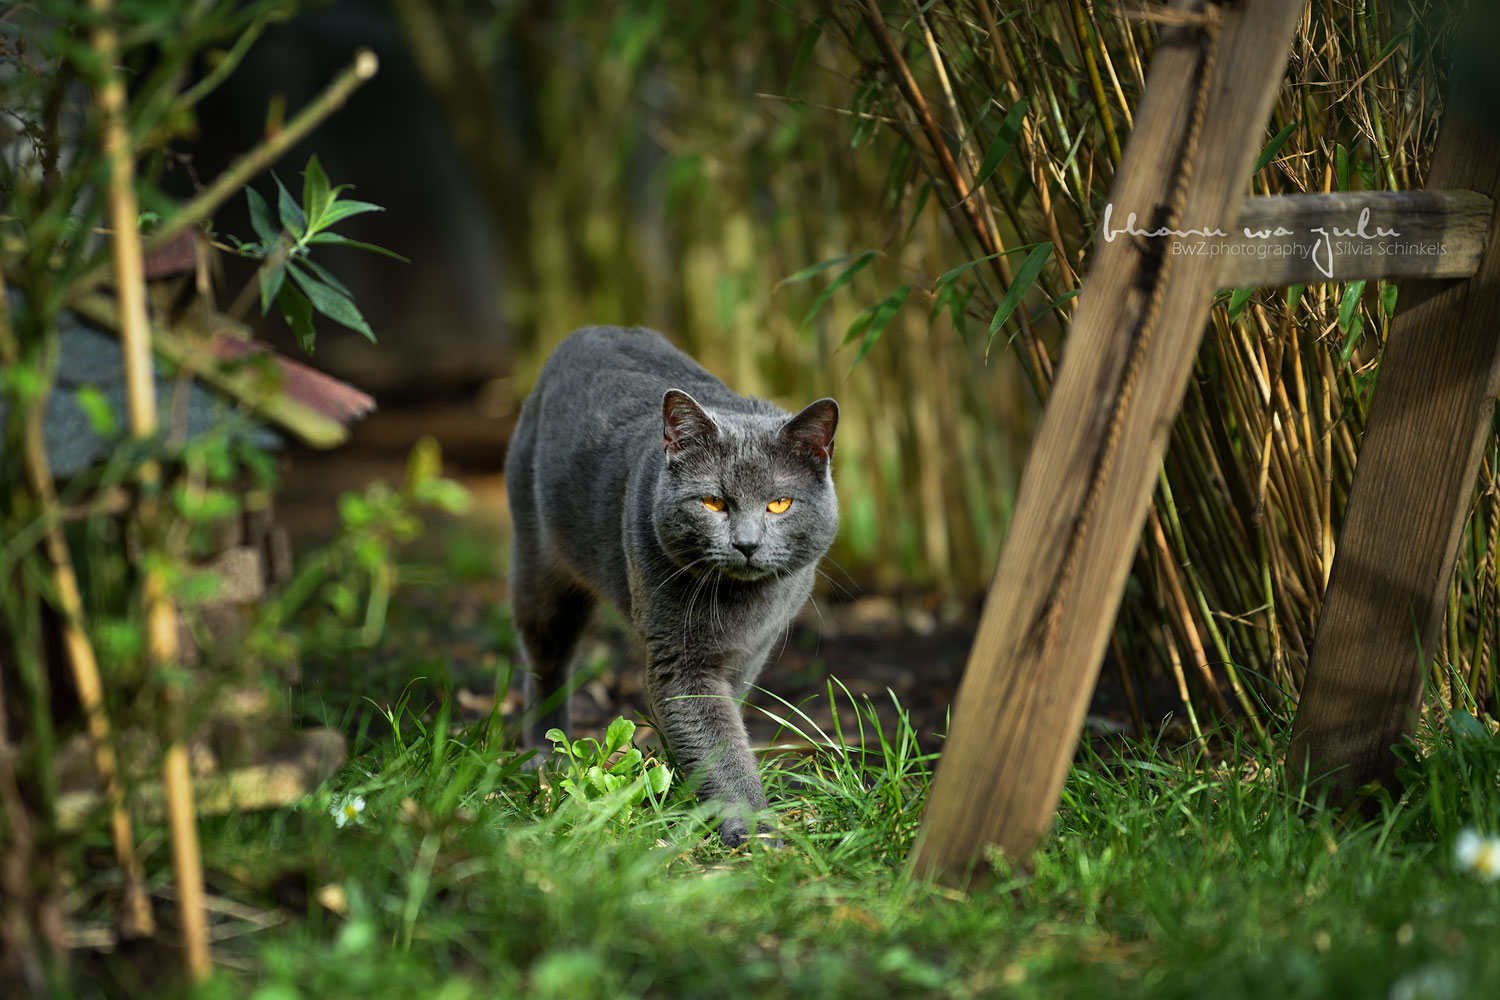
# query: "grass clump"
{"type": "Point", "coordinates": [1170, 873]}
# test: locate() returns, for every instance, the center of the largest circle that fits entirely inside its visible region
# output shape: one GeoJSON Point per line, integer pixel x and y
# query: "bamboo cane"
{"type": "Point", "coordinates": [140, 384]}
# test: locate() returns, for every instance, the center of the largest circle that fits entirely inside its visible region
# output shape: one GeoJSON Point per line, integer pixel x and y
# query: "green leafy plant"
{"type": "Point", "coordinates": [285, 245]}
{"type": "Point", "coordinates": [614, 770]}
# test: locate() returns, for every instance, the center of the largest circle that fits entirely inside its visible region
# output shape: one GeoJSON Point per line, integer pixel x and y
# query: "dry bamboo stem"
{"type": "Point", "coordinates": [135, 912]}
{"type": "Point", "coordinates": [140, 384]}
{"type": "Point", "coordinates": [989, 241]}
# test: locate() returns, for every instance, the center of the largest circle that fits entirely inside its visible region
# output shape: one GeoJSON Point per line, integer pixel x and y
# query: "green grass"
{"type": "Point", "coordinates": [1165, 877]}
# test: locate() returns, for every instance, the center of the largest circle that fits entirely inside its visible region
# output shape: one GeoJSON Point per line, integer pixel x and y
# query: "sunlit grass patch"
{"type": "Point", "coordinates": [1170, 872]}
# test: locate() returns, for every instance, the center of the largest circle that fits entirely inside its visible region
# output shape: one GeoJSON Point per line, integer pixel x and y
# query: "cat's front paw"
{"type": "Point", "coordinates": [734, 832]}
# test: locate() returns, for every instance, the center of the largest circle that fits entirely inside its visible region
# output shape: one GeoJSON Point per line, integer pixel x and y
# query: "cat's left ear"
{"type": "Point", "coordinates": [683, 422]}
{"type": "Point", "coordinates": [812, 429]}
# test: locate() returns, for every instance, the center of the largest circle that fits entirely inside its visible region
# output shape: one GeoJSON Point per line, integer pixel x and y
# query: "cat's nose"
{"type": "Point", "coordinates": [747, 548]}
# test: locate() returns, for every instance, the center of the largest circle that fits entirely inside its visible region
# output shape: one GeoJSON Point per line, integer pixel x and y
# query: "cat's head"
{"type": "Point", "coordinates": [746, 495]}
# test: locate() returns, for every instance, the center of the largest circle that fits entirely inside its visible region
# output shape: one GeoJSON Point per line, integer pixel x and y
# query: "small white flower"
{"type": "Point", "coordinates": [348, 810]}
{"type": "Point", "coordinates": [1477, 853]}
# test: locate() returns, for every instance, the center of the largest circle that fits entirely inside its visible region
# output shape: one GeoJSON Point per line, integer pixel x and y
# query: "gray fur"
{"type": "Point", "coordinates": [618, 444]}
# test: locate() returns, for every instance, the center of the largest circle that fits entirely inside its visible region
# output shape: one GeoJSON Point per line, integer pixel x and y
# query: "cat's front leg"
{"type": "Point", "coordinates": [696, 705]}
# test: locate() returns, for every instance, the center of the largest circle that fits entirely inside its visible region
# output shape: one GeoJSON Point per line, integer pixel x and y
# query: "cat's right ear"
{"type": "Point", "coordinates": [684, 422]}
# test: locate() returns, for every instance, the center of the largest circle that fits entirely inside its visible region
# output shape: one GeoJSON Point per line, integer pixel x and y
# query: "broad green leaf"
{"type": "Point", "coordinates": [260, 219]}
{"type": "Point", "coordinates": [331, 302]}
{"type": "Point", "coordinates": [1273, 147]}
{"type": "Point", "coordinates": [555, 735]}
{"type": "Point", "coordinates": [1341, 166]}
{"type": "Point", "coordinates": [297, 312]}
{"type": "Point", "coordinates": [1391, 45]}
{"type": "Point", "coordinates": [1349, 305]}
{"type": "Point", "coordinates": [1294, 296]}
{"type": "Point", "coordinates": [1005, 138]}
{"type": "Point", "coordinates": [315, 193]}
{"type": "Point", "coordinates": [1237, 300]}
{"type": "Point", "coordinates": [343, 208]}
{"type": "Point", "coordinates": [618, 734]}
{"type": "Point", "coordinates": [1025, 276]}
{"type": "Point", "coordinates": [271, 279]}
{"type": "Point", "coordinates": [291, 213]}
{"type": "Point", "coordinates": [872, 322]}
{"type": "Point", "coordinates": [1351, 320]}
{"type": "Point", "coordinates": [1388, 298]}
{"type": "Point", "coordinates": [325, 276]}
{"type": "Point", "coordinates": [336, 240]}
{"type": "Point", "coordinates": [860, 261]}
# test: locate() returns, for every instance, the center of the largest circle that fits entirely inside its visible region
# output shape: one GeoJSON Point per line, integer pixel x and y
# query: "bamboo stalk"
{"type": "Point", "coordinates": [135, 910]}
{"type": "Point", "coordinates": [140, 384]}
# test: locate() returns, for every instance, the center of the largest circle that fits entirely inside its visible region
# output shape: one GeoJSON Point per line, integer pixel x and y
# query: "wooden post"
{"type": "Point", "coordinates": [1428, 423]}
{"type": "Point", "coordinates": [1083, 497]}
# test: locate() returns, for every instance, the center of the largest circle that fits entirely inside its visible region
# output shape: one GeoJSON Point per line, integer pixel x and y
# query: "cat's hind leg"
{"type": "Point", "coordinates": [550, 615]}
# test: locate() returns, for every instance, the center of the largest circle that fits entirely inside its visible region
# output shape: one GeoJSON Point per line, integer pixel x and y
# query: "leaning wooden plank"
{"type": "Point", "coordinates": [1292, 239]}
{"type": "Point", "coordinates": [1428, 423]}
{"type": "Point", "coordinates": [1083, 497]}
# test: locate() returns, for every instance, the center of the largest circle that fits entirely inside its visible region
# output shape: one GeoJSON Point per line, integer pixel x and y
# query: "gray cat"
{"type": "Point", "coordinates": [636, 476]}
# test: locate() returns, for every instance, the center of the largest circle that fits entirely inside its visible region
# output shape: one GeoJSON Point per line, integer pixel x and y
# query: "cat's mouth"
{"type": "Point", "coordinates": [746, 570]}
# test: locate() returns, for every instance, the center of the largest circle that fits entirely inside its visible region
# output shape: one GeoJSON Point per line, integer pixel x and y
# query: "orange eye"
{"type": "Point", "coordinates": [714, 503]}
{"type": "Point", "coordinates": [779, 506]}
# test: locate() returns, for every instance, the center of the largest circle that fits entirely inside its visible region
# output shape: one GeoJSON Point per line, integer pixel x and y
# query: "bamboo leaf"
{"type": "Point", "coordinates": [1065, 296]}
{"type": "Point", "coordinates": [860, 261]}
{"type": "Point", "coordinates": [1005, 138]}
{"type": "Point", "coordinates": [949, 276]}
{"type": "Point", "coordinates": [1350, 319]}
{"type": "Point", "coordinates": [873, 321]}
{"type": "Point", "coordinates": [804, 53]}
{"type": "Point", "coordinates": [1388, 298]}
{"type": "Point", "coordinates": [1237, 300]}
{"type": "Point", "coordinates": [1294, 296]}
{"type": "Point", "coordinates": [1025, 276]}
{"type": "Point", "coordinates": [1273, 147]}
{"type": "Point", "coordinates": [812, 270]}
{"type": "Point", "coordinates": [1350, 302]}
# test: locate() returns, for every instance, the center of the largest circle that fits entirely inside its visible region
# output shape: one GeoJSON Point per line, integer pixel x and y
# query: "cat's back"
{"type": "Point", "coordinates": [610, 368]}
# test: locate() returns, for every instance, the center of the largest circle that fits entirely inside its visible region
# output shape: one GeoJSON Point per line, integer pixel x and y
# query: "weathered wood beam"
{"type": "Point", "coordinates": [1082, 500]}
{"type": "Point", "coordinates": [1428, 422]}
{"type": "Point", "coordinates": [1294, 239]}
